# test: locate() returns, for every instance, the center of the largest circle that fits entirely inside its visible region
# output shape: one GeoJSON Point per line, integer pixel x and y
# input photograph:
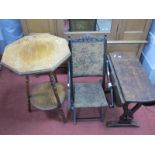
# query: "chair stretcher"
{"type": "Point", "coordinates": [130, 85]}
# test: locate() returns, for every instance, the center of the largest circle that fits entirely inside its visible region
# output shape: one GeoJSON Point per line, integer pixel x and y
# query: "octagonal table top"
{"type": "Point", "coordinates": [37, 53]}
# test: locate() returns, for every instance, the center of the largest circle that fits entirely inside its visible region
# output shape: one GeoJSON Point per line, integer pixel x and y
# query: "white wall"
{"type": "Point", "coordinates": [148, 56]}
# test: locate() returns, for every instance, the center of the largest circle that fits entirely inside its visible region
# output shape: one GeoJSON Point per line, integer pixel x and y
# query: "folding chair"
{"type": "Point", "coordinates": [87, 60]}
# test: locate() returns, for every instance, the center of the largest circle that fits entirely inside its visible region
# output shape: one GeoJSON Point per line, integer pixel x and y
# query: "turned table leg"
{"type": "Point", "coordinates": [28, 93]}
{"type": "Point", "coordinates": [53, 80]}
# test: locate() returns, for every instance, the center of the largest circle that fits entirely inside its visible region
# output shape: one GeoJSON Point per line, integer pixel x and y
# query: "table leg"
{"type": "Point", "coordinates": [126, 119]}
{"type": "Point", "coordinates": [60, 110]}
{"type": "Point", "coordinates": [28, 93]}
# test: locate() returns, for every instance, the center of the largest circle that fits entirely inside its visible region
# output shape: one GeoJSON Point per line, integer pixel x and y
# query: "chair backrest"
{"type": "Point", "coordinates": [88, 55]}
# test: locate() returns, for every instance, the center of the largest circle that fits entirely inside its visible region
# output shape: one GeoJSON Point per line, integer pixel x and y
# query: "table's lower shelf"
{"type": "Point", "coordinates": [43, 98]}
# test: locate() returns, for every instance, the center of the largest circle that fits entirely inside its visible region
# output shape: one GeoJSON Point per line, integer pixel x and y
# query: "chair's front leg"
{"type": "Point", "coordinates": [71, 107]}
{"type": "Point", "coordinates": [70, 87]}
{"type": "Point", "coordinates": [69, 91]}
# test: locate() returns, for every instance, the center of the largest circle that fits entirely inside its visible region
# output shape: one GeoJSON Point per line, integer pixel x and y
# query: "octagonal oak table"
{"type": "Point", "coordinates": [39, 54]}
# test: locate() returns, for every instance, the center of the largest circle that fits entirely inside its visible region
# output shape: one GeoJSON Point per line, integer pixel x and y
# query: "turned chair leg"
{"type": "Point", "coordinates": [28, 93]}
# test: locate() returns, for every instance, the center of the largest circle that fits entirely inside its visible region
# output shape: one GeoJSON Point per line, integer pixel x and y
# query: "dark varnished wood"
{"type": "Point", "coordinates": [71, 84]}
{"type": "Point", "coordinates": [132, 85]}
{"type": "Point", "coordinates": [132, 78]}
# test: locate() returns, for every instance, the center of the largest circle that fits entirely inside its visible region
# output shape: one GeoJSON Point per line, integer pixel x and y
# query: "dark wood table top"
{"type": "Point", "coordinates": [132, 78]}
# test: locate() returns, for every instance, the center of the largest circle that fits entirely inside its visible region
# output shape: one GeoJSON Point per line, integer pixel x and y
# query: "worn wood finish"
{"type": "Point", "coordinates": [47, 95]}
{"type": "Point", "coordinates": [38, 53]}
{"type": "Point", "coordinates": [43, 97]}
{"type": "Point", "coordinates": [132, 85]}
{"type": "Point", "coordinates": [132, 78]}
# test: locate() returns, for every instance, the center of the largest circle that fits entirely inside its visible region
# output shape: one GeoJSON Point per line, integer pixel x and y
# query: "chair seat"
{"type": "Point", "coordinates": [89, 95]}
